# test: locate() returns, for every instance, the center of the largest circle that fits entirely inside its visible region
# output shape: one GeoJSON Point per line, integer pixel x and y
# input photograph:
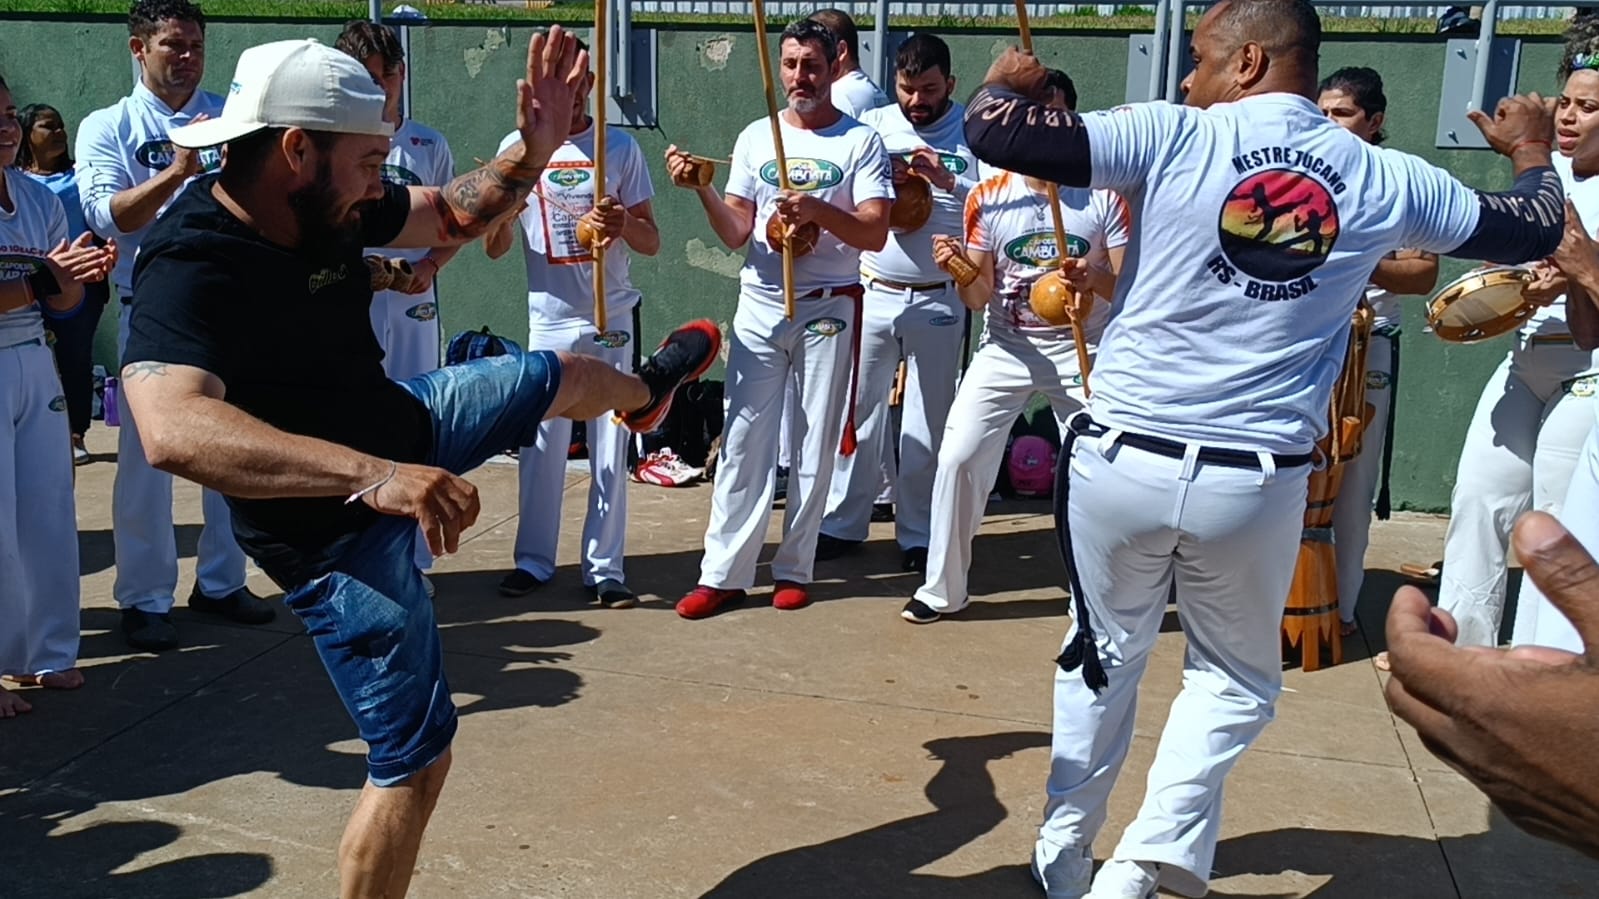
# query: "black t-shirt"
{"type": "Point", "coordinates": [290, 335]}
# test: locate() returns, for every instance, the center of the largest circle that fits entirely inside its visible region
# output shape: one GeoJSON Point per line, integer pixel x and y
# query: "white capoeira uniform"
{"type": "Point", "coordinates": [1538, 622]}
{"type": "Point", "coordinates": [843, 164]}
{"type": "Point", "coordinates": [1352, 509]}
{"type": "Point", "coordinates": [912, 312]}
{"type": "Point", "coordinates": [560, 317]}
{"type": "Point", "coordinates": [38, 521]}
{"type": "Point", "coordinates": [1257, 224]}
{"type": "Point", "coordinates": [854, 95]}
{"type": "Point", "coordinates": [121, 147]}
{"type": "Point", "coordinates": [407, 324]}
{"type": "Point", "coordinates": [1019, 354]}
{"type": "Point", "coordinates": [1521, 447]}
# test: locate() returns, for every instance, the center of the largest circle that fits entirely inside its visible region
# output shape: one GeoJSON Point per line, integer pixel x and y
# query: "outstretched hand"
{"type": "Point", "coordinates": [1518, 723]}
{"type": "Point", "coordinates": [556, 68]}
{"type": "Point", "coordinates": [1523, 122]}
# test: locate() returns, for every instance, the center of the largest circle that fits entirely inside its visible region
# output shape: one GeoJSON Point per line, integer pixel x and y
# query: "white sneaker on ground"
{"type": "Point", "coordinates": [1067, 876]}
{"type": "Point", "coordinates": [1123, 879]}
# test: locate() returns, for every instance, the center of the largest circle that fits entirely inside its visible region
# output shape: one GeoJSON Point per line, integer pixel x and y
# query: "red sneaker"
{"type": "Point", "coordinates": [684, 355]}
{"type": "Point", "coordinates": [790, 596]}
{"type": "Point", "coordinates": [703, 601]}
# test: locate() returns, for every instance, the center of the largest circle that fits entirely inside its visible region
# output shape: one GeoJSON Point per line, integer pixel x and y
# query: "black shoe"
{"type": "Point", "coordinates": [684, 355]}
{"type": "Point", "coordinates": [828, 547]}
{"type": "Point", "coordinates": [241, 605]}
{"type": "Point", "coordinates": [914, 559]}
{"type": "Point", "coordinates": [519, 583]}
{"type": "Point", "coordinates": [148, 631]}
{"type": "Point", "coordinates": [918, 612]}
{"type": "Point", "coordinates": [613, 594]}
{"type": "Point", "coordinates": [882, 512]}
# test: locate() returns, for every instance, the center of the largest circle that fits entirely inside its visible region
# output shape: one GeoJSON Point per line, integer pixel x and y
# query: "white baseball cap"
{"type": "Point", "coordinates": [293, 84]}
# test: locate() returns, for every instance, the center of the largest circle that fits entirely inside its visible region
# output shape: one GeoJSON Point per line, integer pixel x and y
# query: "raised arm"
{"type": "Point", "coordinates": [468, 206]}
{"type": "Point", "coordinates": [1008, 126]}
{"type": "Point", "coordinates": [1513, 226]}
{"type": "Point", "coordinates": [188, 430]}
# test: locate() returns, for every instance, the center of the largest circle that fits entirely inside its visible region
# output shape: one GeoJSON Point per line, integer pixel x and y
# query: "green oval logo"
{"type": "Point", "coordinates": [422, 312]}
{"type": "Point", "coordinates": [1038, 248]}
{"type": "Point", "coordinates": [611, 339]}
{"type": "Point", "coordinates": [568, 177]}
{"type": "Point", "coordinates": [59, 404]}
{"type": "Point", "coordinates": [395, 174]}
{"type": "Point", "coordinates": [804, 174]}
{"type": "Point", "coordinates": [826, 327]}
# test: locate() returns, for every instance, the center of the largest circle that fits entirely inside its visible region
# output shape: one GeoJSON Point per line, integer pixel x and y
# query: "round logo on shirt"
{"type": "Point", "coordinates": [422, 312]}
{"type": "Point", "coordinates": [826, 327]}
{"type": "Point", "coordinates": [568, 177]}
{"type": "Point", "coordinates": [1278, 225]}
{"type": "Point", "coordinates": [1037, 249]}
{"type": "Point", "coordinates": [396, 174]}
{"type": "Point", "coordinates": [804, 174]}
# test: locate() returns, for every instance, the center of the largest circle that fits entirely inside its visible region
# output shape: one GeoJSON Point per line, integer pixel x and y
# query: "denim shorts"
{"type": "Point", "coordinates": [370, 617]}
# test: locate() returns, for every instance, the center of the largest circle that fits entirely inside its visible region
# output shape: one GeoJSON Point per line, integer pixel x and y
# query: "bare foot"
{"type": "Point", "coordinates": [1348, 628]}
{"type": "Point", "coordinates": [1381, 661]}
{"type": "Point", "coordinates": [70, 679]}
{"type": "Point", "coordinates": [12, 705]}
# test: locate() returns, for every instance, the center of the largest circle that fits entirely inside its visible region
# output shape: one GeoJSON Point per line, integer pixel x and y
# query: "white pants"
{"type": "Point", "coordinates": [995, 389]}
{"type": "Point", "coordinates": [38, 519]}
{"type": "Point", "coordinates": [1229, 538]}
{"type": "Point", "coordinates": [767, 354]}
{"type": "Point", "coordinates": [1538, 622]}
{"type": "Point", "coordinates": [407, 328]}
{"type": "Point", "coordinates": [923, 328]}
{"type": "Point", "coordinates": [141, 524]}
{"type": "Point", "coordinates": [542, 467]}
{"type": "Point", "coordinates": [1520, 450]}
{"type": "Point", "coordinates": [1352, 508]}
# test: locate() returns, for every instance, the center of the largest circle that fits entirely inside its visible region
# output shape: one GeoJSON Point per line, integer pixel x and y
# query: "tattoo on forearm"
{"type": "Point", "coordinates": [469, 204]}
{"type": "Point", "coordinates": [144, 370]}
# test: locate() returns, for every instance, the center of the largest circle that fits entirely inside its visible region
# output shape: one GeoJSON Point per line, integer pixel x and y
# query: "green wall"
{"type": "Point", "coordinates": [462, 77]}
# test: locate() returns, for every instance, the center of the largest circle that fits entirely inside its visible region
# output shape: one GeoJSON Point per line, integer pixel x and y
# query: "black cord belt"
{"type": "Point", "coordinates": [1211, 455]}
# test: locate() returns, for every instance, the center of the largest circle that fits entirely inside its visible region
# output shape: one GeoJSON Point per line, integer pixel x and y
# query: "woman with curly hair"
{"type": "Point", "coordinates": [1537, 409]}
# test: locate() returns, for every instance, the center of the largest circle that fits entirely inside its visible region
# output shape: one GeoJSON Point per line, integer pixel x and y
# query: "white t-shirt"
{"type": "Point", "coordinates": [1259, 225]}
{"type": "Point", "coordinates": [418, 157]}
{"type": "Point", "coordinates": [36, 224]}
{"type": "Point", "coordinates": [560, 272]}
{"type": "Point", "coordinates": [855, 93]}
{"type": "Point", "coordinates": [843, 164]}
{"type": "Point", "coordinates": [908, 258]}
{"type": "Point", "coordinates": [1011, 221]}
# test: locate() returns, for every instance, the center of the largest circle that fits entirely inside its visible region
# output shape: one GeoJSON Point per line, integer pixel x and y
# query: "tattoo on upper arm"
{"type": "Point", "coordinates": [139, 371]}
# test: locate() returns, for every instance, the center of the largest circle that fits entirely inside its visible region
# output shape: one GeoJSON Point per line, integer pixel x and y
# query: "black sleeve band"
{"type": "Point", "coordinates": [1518, 225]}
{"type": "Point", "coordinates": [1009, 131]}
{"type": "Point", "coordinates": [43, 283]}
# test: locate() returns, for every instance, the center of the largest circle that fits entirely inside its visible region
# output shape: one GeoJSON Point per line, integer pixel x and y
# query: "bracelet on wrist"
{"type": "Point", "coordinates": [394, 468]}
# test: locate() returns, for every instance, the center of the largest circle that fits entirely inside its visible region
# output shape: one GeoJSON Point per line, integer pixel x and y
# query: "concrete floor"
{"type": "Point", "coordinates": [831, 752]}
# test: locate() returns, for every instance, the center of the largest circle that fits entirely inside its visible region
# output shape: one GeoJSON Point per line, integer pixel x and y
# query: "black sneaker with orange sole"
{"type": "Point", "coordinates": [684, 355]}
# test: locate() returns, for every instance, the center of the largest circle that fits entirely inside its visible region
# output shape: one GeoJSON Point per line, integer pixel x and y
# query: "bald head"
{"type": "Point", "coordinates": [1245, 47]}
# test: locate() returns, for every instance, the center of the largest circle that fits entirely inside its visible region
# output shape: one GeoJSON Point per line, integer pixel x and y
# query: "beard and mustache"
{"type": "Point", "coordinates": [324, 230]}
{"type": "Point", "coordinates": [923, 114]}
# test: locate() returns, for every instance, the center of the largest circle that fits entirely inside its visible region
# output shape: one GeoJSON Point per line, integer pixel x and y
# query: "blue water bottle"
{"type": "Point", "coordinates": [112, 418]}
